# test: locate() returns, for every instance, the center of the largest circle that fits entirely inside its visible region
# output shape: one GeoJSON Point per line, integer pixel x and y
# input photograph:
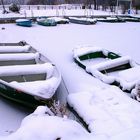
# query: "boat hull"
{"type": "Point", "coordinates": [112, 68]}
{"type": "Point", "coordinates": [28, 77]}
{"type": "Point", "coordinates": [46, 22]}
{"type": "Point", "coordinates": [25, 23]}
{"type": "Point", "coordinates": [84, 22]}
{"type": "Point", "coordinates": [20, 96]}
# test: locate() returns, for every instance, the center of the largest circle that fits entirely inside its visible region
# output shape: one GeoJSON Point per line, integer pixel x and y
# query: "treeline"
{"type": "Point", "coordinates": [86, 3]}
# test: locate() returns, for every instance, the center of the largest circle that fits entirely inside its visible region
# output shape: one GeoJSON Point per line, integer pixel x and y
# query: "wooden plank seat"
{"type": "Point", "coordinates": [22, 73]}
{"type": "Point", "coordinates": [14, 49]}
{"type": "Point", "coordinates": [18, 59]}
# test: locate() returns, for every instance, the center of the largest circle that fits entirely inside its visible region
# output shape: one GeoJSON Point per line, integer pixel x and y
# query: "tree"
{"type": "Point", "coordinates": [136, 4]}
{"type": "Point", "coordinates": [112, 4]}
{"type": "Point", "coordinates": [4, 10]}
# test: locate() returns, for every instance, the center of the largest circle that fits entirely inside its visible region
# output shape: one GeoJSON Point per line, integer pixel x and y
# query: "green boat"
{"type": "Point", "coordinates": [109, 67]}
{"type": "Point", "coordinates": [26, 76]}
{"type": "Point", "coordinates": [46, 22]}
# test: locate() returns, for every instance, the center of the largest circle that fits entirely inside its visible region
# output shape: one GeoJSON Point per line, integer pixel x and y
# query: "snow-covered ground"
{"type": "Point", "coordinates": [57, 44]}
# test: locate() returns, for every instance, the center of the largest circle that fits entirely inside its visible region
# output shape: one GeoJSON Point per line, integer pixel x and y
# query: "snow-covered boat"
{"type": "Point", "coordinates": [130, 18]}
{"type": "Point", "coordinates": [46, 22]}
{"type": "Point", "coordinates": [85, 21]}
{"type": "Point", "coordinates": [109, 67]}
{"type": "Point", "coordinates": [24, 22]}
{"type": "Point", "coordinates": [26, 76]}
{"type": "Point", "coordinates": [107, 111]}
{"type": "Point", "coordinates": [60, 20]}
{"type": "Point", "coordinates": [112, 19]}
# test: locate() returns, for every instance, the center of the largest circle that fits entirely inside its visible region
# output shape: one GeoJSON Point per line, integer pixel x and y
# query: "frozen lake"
{"type": "Point", "coordinates": [57, 44]}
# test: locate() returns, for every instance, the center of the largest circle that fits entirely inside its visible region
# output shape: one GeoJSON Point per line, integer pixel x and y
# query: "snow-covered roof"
{"type": "Point", "coordinates": [39, 125]}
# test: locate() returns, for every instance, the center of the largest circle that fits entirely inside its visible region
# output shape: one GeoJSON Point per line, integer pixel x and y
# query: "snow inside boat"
{"type": "Point", "coordinates": [85, 21]}
{"type": "Point", "coordinates": [109, 67]}
{"type": "Point", "coordinates": [26, 76]}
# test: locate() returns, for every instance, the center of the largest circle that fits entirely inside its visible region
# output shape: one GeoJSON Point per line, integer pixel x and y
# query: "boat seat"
{"type": "Point", "coordinates": [110, 64]}
{"type": "Point", "coordinates": [42, 88]}
{"type": "Point", "coordinates": [18, 58]}
{"type": "Point", "coordinates": [24, 78]}
{"type": "Point", "coordinates": [13, 49]}
{"type": "Point", "coordinates": [20, 70]}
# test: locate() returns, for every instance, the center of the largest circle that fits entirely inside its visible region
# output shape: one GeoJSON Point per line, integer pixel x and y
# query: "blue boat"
{"type": "Point", "coordinates": [24, 22]}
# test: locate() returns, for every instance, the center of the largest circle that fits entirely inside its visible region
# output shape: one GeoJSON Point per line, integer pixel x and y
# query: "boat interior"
{"type": "Point", "coordinates": [99, 57]}
{"type": "Point", "coordinates": [19, 54]}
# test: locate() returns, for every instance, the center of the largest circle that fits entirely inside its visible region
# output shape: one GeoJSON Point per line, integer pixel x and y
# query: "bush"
{"type": "Point", "coordinates": [14, 8]}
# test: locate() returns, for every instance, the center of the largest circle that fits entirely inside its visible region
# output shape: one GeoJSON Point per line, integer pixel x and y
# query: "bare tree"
{"type": "Point", "coordinates": [4, 10]}
{"type": "Point", "coordinates": [112, 4]}
{"type": "Point", "coordinates": [136, 4]}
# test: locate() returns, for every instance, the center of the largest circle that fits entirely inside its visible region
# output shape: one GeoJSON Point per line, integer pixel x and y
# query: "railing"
{"type": "Point", "coordinates": [44, 7]}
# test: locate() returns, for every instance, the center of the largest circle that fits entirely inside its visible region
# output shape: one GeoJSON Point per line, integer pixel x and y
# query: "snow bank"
{"type": "Point", "coordinates": [107, 111]}
{"type": "Point", "coordinates": [40, 126]}
{"type": "Point", "coordinates": [7, 49]}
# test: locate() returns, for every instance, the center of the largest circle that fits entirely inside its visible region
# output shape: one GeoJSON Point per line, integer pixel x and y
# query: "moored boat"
{"type": "Point", "coordinates": [60, 20]}
{"type": "Point", "coordinates": [108, 66]}
{"type": "Point", "coordinates": [24, 22]}
{"type": "Point", "coordinates": [111, 19]}
{"type": "Point", "coordinates": [85, 21]}
{"type": "Point", "coordinates": [46, 22]}
{"type": "Point", "coordinates": [130, 18]}
{"type": "Point", "coordinates": [26, 76]}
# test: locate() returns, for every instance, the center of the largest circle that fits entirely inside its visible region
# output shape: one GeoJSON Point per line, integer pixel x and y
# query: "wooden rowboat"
{"type": "Point", "coordinates": [26, 76]}
{"type": "Point", "coordinates": [85, 21]}
{"type": "Point", "coordinates": [109, 67]}
{"type": "Point", "coordinates": [24, 22]}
